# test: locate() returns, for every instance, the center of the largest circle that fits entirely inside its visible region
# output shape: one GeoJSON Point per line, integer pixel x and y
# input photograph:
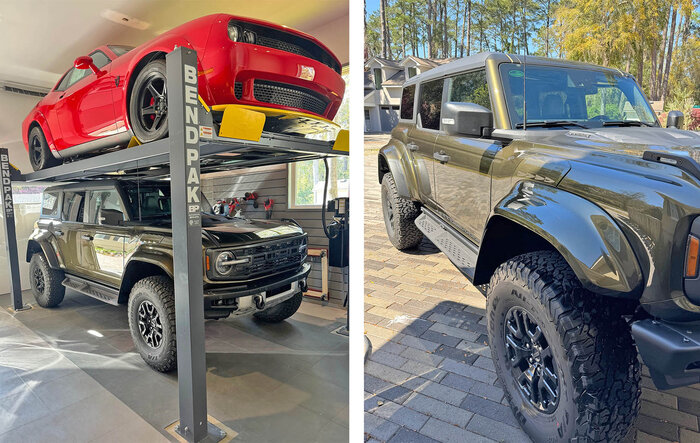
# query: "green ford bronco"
{"type": "Point", "coordinates": [112, 240]}
{"type": "Point", "coordinates": [553, 183]}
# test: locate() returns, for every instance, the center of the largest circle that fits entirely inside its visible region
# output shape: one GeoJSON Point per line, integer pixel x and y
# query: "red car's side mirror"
{"type": "Point", "coordinates": [85, 62]}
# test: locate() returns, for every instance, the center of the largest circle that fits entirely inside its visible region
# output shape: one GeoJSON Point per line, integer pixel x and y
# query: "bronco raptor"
{"type": "Point", "coordinates": [112, 240]}
{"type": "Point", "coordinates": [554, 184]}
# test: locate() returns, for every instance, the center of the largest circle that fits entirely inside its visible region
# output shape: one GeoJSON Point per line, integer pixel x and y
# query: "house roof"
{"type": "Point", "coordinates": [396, 80]}
{"type": "Point", "coordinates": [384, 62]}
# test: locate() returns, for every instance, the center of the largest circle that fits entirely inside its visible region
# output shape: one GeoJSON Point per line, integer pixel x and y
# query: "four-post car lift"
{"type": "Point", "coordinates": [196, 145]}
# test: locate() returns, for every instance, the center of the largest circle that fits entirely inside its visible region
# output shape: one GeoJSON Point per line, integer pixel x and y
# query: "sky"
{"type": "Point", "coordinates": [371, 5]}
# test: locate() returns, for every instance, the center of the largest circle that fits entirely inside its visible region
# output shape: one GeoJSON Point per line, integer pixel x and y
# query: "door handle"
{"type": "Point", "coordinates": [441, 157]}
{"type": "Point", "coordinates": [412, 147]}
{"type": "Point", "coordinates": [86, 237]}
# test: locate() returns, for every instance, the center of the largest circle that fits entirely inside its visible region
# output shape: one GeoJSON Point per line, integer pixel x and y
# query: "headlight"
{"type": "Point", "coordinates": [223, 263]}
{"type": "Point", "coordinates": [234, 32]}
{"type": "Point", "coordinates": [249, 36]}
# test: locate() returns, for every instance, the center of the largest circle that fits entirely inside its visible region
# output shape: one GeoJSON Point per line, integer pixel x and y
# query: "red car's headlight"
{"type": "Point", "coordinates": [234, 32]}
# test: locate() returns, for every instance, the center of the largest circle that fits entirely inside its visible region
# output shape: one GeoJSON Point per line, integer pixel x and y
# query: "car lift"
{"type": "Point", "coordinates": [193, 147]}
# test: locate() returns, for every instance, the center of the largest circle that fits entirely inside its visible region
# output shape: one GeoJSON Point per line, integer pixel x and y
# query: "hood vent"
{"type": "Point", "coordinates": [688, 164]}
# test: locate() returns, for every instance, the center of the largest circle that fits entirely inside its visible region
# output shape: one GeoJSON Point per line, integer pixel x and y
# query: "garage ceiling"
{"type": "Point", "coordinates": [41, 38]}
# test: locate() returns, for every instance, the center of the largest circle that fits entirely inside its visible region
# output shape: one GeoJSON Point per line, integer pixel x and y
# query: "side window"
{"type": "Point", "coordinates": [100, 59]}
{"type": "Point", "coordinates": [431, 104]}
{"type": "Point", "coordinates": [470, 87]}
{"type": "Point", "coordinates": [49, 204]}
{"type": "Point", "coordinates": [105, 208]}
{"type": "Point", "coordinates": [407, 100]}
{"type": "Point", "coordinates": [73, 204]}
{"type": "Point", "coordinates": [377, 78]}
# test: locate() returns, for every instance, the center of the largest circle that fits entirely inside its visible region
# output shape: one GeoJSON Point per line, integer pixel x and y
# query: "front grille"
{"type": "Point", "coordinates": [289, 96]}
{"type": "Point", "coordinates": [268, 258]}
{"type": "Point", "coordinates": [289, 42]}
{"type": "Point", "coordinates": [238, 90]}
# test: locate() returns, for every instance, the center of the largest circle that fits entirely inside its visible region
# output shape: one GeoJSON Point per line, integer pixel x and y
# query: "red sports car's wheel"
{"type": "Point", "coordinates": [40, 155]}
{"type": "Point", "coordinates": [148, 108]}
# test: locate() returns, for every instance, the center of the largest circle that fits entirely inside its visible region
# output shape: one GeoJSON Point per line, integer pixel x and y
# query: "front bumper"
{"type": "Point", "coordinates": [671, 351]}
{"type": "Point", "coordinates": [232, 69]}
{"type": "Point", "coordinates": [239, 300]}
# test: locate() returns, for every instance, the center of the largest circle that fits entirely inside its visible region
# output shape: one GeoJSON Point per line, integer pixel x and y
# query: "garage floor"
{"type": "Point", "coordinates": [431, 377]}
{"type": "Point", "coordinates": [71, 374]}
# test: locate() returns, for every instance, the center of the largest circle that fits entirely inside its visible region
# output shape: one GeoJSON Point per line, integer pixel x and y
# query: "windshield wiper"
{"type": "Point", "coordinates": [625, 123]}
{"type": "Point", "coordinates": [552, 124]}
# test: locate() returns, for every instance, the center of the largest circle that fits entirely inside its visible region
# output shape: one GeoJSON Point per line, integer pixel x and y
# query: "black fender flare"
{"type": "Point", "coordinates": [35, 245]}
{"type": "Point", "coordinates": [589, 239]}
{"type": "Point", "coordinates": [393, 157]}
{"type": "Point", "coordinates": [141, 265]}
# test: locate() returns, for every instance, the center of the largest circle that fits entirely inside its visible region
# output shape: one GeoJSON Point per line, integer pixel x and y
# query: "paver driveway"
{"type": "Point", "coordinates": [430, 376]}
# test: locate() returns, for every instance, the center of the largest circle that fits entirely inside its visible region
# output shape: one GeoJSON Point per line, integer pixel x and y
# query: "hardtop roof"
{"type": "Point", "coordinates": [479, 60]}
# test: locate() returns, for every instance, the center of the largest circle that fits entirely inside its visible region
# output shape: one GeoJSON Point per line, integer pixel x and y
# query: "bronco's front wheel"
{"type": "Point", "coordinates": [281, 311]}
{"type": "Point", "coordinates": [152, 322]}
{"type": "Point", "coordinates": [565, 356]}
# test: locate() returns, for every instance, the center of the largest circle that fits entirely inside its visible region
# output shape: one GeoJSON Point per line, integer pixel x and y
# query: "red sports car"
{"type": "Point", "coordinates": [118, 92]}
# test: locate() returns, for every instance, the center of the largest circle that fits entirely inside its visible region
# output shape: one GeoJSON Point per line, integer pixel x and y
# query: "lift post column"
{"type": "Point", "coordinates": [8, 213]}
{"type": "Point", "coordinates": [181, 72]}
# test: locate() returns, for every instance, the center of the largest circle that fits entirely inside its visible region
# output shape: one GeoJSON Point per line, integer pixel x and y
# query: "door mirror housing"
{"type": "Point", "coordinates": [467, 119]}
{"type": "Point", "coordinates": [85, 62]}
{"type": "Point", "coordinates": [674, 119]}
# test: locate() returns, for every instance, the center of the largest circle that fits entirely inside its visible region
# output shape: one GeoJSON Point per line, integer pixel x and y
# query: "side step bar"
{"type": "Point", "coordinates": [92, 289]}
{"type": "Point", "coordinates": [461, 252]}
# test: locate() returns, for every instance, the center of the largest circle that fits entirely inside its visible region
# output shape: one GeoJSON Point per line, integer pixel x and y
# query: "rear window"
{"type": "Point", "coordinates": [430, 104]}
{"type": "Point", "coordinates": [73, 204]}
{"type": "Point", "coordinates": [470, 87]}
{"type": "Point", "coordinates": [407, 101]}
{"type": "Point", "coordinates": [120, 50]}
{"type": "Point", "coordinates": [49, 204]}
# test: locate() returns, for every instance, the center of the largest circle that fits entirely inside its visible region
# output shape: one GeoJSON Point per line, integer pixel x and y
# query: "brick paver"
{"type": "Point", "coordinates": [431, 377]}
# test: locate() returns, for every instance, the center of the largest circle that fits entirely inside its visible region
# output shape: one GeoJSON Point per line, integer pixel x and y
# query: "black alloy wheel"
{"type": "Point", "coordinates": [38, 279]}
{"type": "Point", "coordinates": [150, 326]}
{"type": "Point", "coordinates": [153, 103]}
{"type": "Point", "coordinates": [532, 363]}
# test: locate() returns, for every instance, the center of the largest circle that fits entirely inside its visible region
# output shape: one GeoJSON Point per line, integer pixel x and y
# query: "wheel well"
{"type": "Point", "coordinates": [503, 240]}
{"type": "Point", "coordinates": [383, 167]}
{"type": "Point", "coordinates": [139, 66]}
{"type": "Point", "coordinates": [135, 271]}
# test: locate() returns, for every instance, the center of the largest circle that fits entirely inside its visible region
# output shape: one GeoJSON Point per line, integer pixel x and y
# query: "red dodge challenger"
{"type": "Point", "coordinates": [118, 92]}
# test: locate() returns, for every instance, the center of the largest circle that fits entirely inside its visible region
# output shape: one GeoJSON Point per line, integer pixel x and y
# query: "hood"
{"type": "Point", "coordinates": [224, 231]}
{"type": "Point", "coordinates": [633, 141]}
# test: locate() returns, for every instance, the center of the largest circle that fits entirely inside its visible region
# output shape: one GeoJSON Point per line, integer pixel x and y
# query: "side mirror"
{"type": "Point", "coordinates": [467, 119]}
{"type": "Point", "coordinates": [85, 62]}
{"type": "Point", "coordinates": [674, 119]}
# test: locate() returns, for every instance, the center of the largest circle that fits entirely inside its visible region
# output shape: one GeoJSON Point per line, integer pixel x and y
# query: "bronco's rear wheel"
{"type": "Point", "coordinates": [148, 105]}
{"type": "Point", "coordinates": [399, 216]}
{"type": "Point", "coordinates": [565, 355]}
{"type": "Point", "coordinates": [40, 155]}
{"type": "Point", "coordinates": [152, 322]}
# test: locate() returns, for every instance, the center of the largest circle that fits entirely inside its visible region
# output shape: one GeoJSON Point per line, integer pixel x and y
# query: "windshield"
{"type": "Point", "coordinates": [587, 98]}
{"type": "Point", "coordinates": [152, 200]}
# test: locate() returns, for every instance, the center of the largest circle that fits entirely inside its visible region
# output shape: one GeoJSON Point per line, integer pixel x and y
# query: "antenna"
{"type": "Point", "coordinates": [524, 95]}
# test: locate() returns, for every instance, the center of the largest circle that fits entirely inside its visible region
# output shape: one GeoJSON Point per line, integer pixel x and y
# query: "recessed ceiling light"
{"type": "Point", "coordinates": [123, 19]}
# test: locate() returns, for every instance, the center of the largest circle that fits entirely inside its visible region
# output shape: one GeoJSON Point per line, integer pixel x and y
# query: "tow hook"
{"type": "Point", "coordinates": [259, 301]}
{"type": "Point", "coordinates": [302, 285]}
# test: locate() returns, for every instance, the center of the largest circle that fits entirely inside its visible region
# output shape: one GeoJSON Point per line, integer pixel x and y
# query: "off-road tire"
{"type": "Point", "coordinates": [599, 373]}
{"type": "Point", "coordinates": [155, 69]}
{"type": "Point", "coordinates": [281, 311]}
{"type": "Point", "coordinates": [401, 229]}
{"type": "Point", "coordinates": [53, 291]}
{"type": "Point", "coordinates": [158, 290]}
{"type": "Point", "coordinates": [40, 156]}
